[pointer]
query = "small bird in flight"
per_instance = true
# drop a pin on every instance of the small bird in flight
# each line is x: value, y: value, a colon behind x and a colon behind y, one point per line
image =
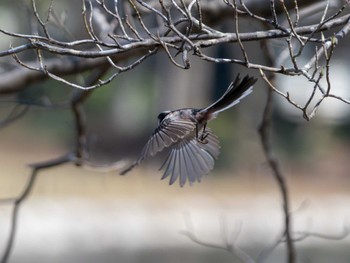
x: 194, y: 147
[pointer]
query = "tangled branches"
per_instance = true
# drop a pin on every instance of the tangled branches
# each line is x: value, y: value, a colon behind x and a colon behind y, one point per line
x: 174, y: 27
x: 122, y: 35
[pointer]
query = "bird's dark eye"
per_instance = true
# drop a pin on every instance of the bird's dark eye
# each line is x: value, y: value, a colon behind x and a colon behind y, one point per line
x: 162, y: 115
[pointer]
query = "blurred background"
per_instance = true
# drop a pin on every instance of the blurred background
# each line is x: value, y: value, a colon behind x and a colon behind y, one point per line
x: 77, y: 214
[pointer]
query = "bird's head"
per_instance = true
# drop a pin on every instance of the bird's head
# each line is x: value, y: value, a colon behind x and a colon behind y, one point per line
x: 162, y: 115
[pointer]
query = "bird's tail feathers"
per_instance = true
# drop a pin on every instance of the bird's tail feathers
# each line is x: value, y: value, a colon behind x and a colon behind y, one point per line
x: 234, y: 93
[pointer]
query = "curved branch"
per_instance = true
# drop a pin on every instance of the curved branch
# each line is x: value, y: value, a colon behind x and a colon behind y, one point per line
x: 19, y: 78
x: 202, y: 41
x: 17, y: 202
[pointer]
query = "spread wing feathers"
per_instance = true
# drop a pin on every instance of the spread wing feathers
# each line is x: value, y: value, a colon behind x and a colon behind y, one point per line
x: 167, y: 133
x: 190, y: 159
x: 233, y: 95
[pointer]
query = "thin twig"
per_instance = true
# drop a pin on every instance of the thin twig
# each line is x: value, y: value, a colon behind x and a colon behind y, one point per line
x: 18, y: 201
x: 227, y: 245
x: 245, y: 55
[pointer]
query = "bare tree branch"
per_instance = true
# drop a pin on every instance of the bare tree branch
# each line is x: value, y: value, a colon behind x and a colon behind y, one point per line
x: 265, y: 137
x: 78, y: 157
x: 17, y: 201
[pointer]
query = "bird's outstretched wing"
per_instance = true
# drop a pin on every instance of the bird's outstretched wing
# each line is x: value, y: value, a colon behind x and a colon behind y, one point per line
x: 189, y: 159
x: 169, y: 132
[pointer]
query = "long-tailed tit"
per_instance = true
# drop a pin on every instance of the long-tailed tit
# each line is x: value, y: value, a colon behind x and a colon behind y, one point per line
x: 194, y: 147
